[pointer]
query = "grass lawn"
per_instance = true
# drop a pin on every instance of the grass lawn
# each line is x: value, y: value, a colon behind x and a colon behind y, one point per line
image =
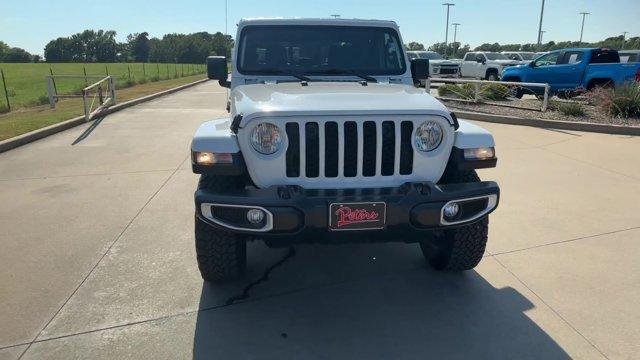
x: 27, y: 86
x: 28, y: 119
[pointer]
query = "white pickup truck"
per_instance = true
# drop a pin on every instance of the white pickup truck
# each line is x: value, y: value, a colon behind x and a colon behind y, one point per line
x: 329, y: 141
x: 438, y: 66
x: 485, y: 65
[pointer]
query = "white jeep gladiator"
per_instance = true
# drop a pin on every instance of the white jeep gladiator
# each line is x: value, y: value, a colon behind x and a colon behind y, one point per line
x: 327, y: 141
x: 485, y: 65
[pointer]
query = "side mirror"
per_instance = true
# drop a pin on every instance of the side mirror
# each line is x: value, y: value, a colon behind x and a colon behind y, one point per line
x: 419, y: 69
x: 217, y: 69
x: 532, y: 64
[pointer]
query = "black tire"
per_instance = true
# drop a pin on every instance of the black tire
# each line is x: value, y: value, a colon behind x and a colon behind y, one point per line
x: 221, y: 255
x: 517, y: 92
x: 461, y: 248
x: 492, y: 75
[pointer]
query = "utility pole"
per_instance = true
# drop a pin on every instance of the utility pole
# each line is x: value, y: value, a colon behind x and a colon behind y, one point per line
x: 335, y: 16
x: 446, y: 34
x: 226, y: 5
x: 455, y: 31
x: 541, y: 35
x: 624, y: 38
x: 584, y: 15
x: 540, y: 25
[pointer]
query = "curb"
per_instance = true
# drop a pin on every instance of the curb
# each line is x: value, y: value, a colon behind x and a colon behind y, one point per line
x: 554, y: 124
x: 34, y: 135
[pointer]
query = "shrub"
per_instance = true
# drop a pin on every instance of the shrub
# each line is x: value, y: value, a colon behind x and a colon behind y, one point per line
x: 568, y: 108
x: 3, y: 108
x: 622, y: 102
x: 142, y: 81
x: 41, y: 100
x: 154, y: 78
x: 464, y: 91
x: 495, y: 92
x: 11, y: 92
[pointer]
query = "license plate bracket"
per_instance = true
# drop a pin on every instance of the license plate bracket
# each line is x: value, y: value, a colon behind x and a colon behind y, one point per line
x: 357, y: 216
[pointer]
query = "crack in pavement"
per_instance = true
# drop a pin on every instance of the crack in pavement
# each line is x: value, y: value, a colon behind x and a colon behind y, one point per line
x: 265, y: 276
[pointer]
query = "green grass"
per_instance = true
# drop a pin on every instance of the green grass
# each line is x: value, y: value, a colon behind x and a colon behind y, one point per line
x: 568, y: 108
x: 27, y: 86
x: 28, y: 119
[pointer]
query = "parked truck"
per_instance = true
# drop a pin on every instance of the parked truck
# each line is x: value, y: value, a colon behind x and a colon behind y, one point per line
x: 573, y: 71
x: 438, y: 66
x: 485, y: 65
x: 329, y: 141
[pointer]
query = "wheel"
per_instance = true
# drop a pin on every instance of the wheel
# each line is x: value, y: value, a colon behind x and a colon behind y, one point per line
x: 516, y: 91
x: 461, y: 248
x: 492, y: 76
x: 221, y: 255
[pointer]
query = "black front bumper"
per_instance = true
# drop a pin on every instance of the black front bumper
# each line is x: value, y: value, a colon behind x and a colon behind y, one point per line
x: 303, y: 214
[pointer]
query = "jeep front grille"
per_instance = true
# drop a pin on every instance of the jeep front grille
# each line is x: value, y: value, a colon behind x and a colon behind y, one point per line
x: 349, y: 149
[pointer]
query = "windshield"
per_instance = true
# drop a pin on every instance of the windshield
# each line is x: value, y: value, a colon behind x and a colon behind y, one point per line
x: 320, y: 50
x: 430, y: 55
x: 496, y: 56
x: 527, y: 56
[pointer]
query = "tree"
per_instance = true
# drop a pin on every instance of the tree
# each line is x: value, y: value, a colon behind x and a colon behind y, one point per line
x: 414, y: 46
x: 13, y: 54
x: 138, y: 46
x: 452, y: 50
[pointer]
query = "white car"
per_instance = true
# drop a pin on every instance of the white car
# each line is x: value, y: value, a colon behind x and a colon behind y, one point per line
x: 629, y: 56
x: 485, y: 65
x: 524, y: 57
x: 329, y: 141
x: 438, y: 66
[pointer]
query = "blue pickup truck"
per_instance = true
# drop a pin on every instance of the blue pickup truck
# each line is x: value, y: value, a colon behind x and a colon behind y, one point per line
x: 572, y: 71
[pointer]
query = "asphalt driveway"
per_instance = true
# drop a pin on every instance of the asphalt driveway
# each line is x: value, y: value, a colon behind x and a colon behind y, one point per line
x: 97, y: 257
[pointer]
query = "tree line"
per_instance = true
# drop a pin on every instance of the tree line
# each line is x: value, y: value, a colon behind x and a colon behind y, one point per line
x: 101, y: 46
x: 455, y: 50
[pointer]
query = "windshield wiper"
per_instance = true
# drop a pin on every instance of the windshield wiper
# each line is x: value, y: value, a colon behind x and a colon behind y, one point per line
x: 350, y: 72
x: 296, y: 75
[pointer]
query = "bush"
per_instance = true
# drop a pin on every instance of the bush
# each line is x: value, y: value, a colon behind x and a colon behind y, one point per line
x: 3, y: 108
x: 464, y: 91
x: 495, y: 92
x: 11, y: 92
x: 622, y: 102
x: 142, y: 81
x: 154, y: 78
x: 41, y: 100
x: 568, y: 108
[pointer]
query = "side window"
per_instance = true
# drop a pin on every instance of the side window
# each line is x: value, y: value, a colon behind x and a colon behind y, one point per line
x: 546, y: 60
x: 470, y: 57
x: 572, y: 57
x: 482, y: 56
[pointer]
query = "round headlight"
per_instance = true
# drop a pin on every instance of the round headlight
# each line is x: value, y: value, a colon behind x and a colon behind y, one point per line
x: 428, y: 136
x: 266, y: 138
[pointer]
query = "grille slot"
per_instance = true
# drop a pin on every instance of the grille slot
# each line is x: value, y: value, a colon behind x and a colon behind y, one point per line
x: 349, y: 149
x: 312, y: 150
x: 293, y: 151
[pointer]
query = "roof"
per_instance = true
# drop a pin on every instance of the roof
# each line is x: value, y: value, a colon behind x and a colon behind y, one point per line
x: 318, y: 21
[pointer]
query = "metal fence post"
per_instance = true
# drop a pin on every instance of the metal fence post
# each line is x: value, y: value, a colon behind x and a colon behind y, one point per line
x: 476, y: 95
x: 53, y: 80
x: 545, y: 100
x: 129, y: 70
x: 86, y: 105
x: 144, y: 71
x: 51, y: 91
x: 112, y: 89
x: 6, y: 93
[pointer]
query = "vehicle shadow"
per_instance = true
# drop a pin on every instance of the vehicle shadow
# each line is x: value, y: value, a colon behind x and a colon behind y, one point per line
x: 376, y: 301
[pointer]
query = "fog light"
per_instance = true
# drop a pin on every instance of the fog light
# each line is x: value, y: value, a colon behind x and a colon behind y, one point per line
x: 451, y: 210
x: 483, y: 153
x: 255, y: 216
x: 209, y: 158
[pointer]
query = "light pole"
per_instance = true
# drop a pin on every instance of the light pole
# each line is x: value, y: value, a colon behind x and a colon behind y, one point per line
x: 541, y: 35
x: 624, y: 38
x: 584, y: 15
x: 455, y: 31
x: 540, y: 25
x: 225, y: 16
x: 446, y: 34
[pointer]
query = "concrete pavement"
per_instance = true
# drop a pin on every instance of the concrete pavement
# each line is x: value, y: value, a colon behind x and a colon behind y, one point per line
x: 97, y: 257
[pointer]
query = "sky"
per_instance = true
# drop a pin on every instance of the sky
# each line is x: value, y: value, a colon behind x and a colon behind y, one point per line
x: 30, y: 24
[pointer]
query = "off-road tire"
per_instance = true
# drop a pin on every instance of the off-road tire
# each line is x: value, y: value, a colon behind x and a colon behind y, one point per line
x: 461, y: 248
x: 492, y: 75
x: 221, y: 255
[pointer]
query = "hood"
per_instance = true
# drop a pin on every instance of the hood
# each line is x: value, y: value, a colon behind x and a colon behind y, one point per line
x: 332, y: 98
x: 443, y: 62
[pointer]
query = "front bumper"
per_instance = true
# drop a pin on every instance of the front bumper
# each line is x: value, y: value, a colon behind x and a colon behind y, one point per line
x: 303, y: 214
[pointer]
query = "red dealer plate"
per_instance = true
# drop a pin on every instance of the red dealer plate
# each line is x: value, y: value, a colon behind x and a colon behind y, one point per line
x: 357, y: 216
